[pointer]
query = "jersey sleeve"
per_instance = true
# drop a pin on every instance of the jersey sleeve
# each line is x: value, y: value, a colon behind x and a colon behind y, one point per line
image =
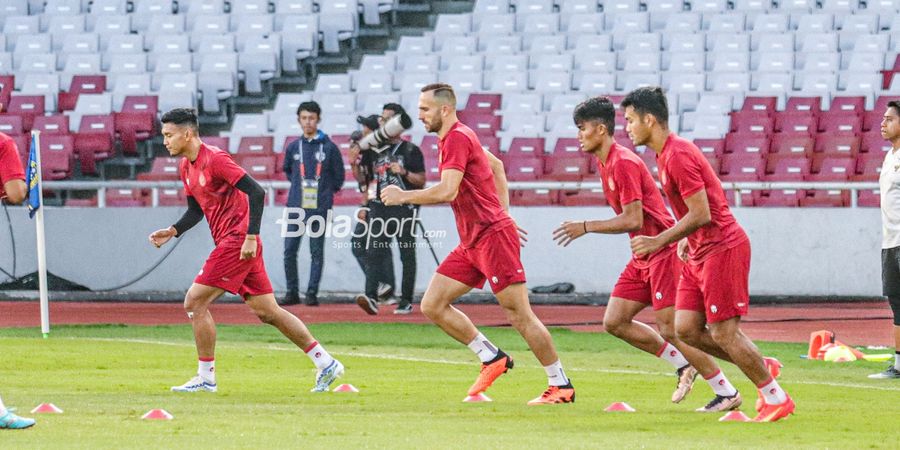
x: 11, y: 167
x: 627, y: 177
x: 224, y: 168
x: 455, y: 152
x: 685, y: 172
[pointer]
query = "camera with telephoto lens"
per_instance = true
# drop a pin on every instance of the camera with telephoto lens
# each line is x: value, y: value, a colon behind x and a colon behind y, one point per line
x: 380, y: 138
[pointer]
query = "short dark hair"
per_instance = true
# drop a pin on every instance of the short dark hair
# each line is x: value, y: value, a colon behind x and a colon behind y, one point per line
x: 598, y: 109
x: 312, y: 107
x: 182, y: 117
x: 395, y: 107
x: 894, y: 104
x: 649, y: 100
x: 442, y: 91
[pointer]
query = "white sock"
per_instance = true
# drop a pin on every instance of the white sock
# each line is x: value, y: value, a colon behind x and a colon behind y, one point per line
x: 3, y: 410
x: 720, y: 385
x: 318, y: 355
x: 897, y: 360
x: 556, y: 376
x: 207, y: 370
x: 773, y: 393
x: 483, y: 348
x: 671, y: 354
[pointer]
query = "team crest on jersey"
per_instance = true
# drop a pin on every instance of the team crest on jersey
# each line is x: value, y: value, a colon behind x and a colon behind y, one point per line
x: 612, y: 185
x: 202, y: 180
x: 662, y: 176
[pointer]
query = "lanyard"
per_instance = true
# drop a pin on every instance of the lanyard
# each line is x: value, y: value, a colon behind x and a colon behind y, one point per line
x: 320, y: 156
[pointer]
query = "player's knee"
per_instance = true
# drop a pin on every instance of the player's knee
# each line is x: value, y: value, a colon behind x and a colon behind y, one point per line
x: 895, y: 307
x: 687, y: 333
x: 266, y: 316
x: 668, y: 332
x: 192, y: 304
x: 724, y: 337
x: 614, y: 325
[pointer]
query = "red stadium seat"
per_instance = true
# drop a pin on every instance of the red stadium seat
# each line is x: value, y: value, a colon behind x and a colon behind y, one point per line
x: 760, y: 104
x: 868, y: 166
x: 137, y: 121
x: 57, y: 155
x: 800, y: 104
x: 260, y: 167
x: 491, y: 144
x: 870, y: 198
x: 840, y: 123
x: 533, y: 197
x: 163, y: 168
x: 649, y: 158
x: 256, y: 145
x: 792, y: 144
x: 837, y: 145
x: 172, y: 197
x: 714, y: 162
x: 483, y: 103
x: 23, y: 143
x: 882, y: 102
x: 7, y: 83
x: 742, y: 167
x: 874, y: 143
x: 482, y: 123
x: 219, y: 142
x: 825, y: 199
x: 344, y: 197
x: 429, y: 144
x: 523, y: 168
x: 11, y: 125
x: 95, y: 141
x: 747, y: 198
x: 119, y: 198
x: 787, y: 168
x: 27, y: 106
x: 81, y: 202
x: 81, y: 84
x: 848, y: 105
x: 794, y: 122
x: 584, y: 197
x: 752, y: 122
x: 872, y: 120
x: 566, y: 167
x: 779, y: 198
x: 714, y: 147
x: 832, y: 168
x: 342, y: 141
x: 526, y: 147
x: 753, y: 144
x: 55, y: 124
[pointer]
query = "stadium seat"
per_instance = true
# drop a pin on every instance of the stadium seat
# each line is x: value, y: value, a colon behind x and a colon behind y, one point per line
x: 260, y: 167
x: 125, y: 198
x: 11, y: 125
x: 832, y: 168
x: 868, y: 167
x: 870, y: 198
x: 27, y: 106
x: 81, y: 84
x: 747, y: 199
x: 171, y: 197
x: 566, y: 167
x: 163, y: 168
x: 741, y: 167
x: 825, y: 199
x: 584, y: 197
x: 255, y: 145
x: 795, y: 122
x: 787, y: 167
x: 755, y: 144
x: 56, y: 156
x: 94, y: 141
x: 779, y: 198
x: 752, y: 122
x: 533, y: 197
x: 713, y: 147
x: 52, y: 124
x: 840, y: 123
x: 832, y: 145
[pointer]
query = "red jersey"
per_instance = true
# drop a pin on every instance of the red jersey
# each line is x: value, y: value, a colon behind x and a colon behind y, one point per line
x: 210, y: 179
x: 11, y: 167
x: 627, y: 179
x: 477, y: 207
x: 684, y: 171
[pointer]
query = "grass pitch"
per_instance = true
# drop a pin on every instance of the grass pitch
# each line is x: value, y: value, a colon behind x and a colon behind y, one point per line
x: 412, y: 379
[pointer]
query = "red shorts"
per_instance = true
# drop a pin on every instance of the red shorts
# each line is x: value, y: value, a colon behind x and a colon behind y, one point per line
x: 655, y: 285
x: 225, y: 270
x: 495, y: 258
x: 718, y: 286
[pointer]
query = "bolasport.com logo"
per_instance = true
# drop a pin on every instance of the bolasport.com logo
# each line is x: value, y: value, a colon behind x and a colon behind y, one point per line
x: 341, y: 227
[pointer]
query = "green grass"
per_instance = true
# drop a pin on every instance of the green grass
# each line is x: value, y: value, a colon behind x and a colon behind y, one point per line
x: 412, y: 379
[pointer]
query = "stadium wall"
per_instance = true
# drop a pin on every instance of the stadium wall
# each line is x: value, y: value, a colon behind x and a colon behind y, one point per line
x: 821, y: 252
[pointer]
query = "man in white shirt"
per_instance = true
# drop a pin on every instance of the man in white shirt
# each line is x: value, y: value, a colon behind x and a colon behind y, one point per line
x: 889, y: 184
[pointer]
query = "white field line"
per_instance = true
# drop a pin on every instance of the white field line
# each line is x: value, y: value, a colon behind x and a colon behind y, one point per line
x: 283, y: 348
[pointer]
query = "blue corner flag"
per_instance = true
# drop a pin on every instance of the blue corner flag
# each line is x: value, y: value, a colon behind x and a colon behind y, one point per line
x: 33, y: 180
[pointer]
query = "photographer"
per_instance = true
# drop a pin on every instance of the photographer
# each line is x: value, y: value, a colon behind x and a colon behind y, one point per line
x: 398, y: 163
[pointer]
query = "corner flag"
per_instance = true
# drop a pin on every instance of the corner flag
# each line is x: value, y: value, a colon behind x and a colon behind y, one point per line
x: 33, y: 179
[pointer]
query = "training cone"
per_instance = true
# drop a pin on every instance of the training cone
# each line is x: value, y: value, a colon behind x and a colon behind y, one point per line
x: 477, y: 398
x: 619, y: 407
x: 46, y: 408
x: 734, y: 416
x: 157, y: 414
x: 346, y: 388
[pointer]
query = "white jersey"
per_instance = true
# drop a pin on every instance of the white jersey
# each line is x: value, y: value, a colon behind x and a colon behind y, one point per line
x: 889, y: 185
